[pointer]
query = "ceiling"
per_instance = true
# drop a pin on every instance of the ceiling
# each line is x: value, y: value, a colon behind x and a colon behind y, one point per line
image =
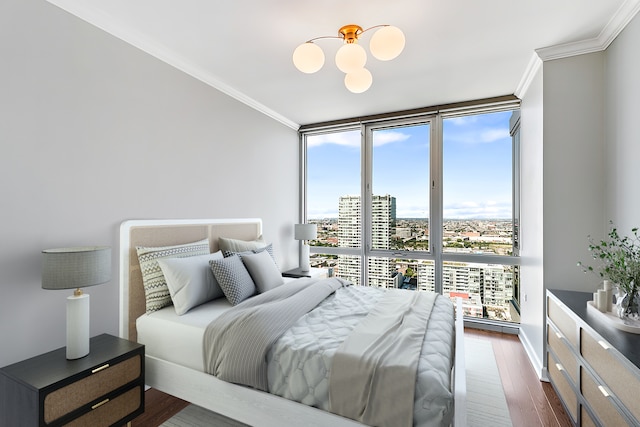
x: 456, y: 50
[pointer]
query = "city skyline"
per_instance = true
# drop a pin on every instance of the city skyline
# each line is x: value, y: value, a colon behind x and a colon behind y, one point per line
x: 477, y: 167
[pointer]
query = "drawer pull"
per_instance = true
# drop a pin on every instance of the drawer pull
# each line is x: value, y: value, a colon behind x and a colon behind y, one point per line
x: 604, y: 391
x: 99, y: 404
x: 101, y: 368
x: 559, y: 366
x: 559, y: 335
x: 604, y: 345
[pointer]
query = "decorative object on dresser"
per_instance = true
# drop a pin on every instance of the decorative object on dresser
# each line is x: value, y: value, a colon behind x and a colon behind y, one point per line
x: 305, y: 232
x: 79, y: 267
x: 595, y: 369
x: 105, y: 388
x: 618, y: 260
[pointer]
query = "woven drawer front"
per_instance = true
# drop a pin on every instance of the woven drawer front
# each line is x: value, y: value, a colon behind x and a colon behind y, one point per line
x: 66, y: 399
x: 563, y: 387
x: 111, y: 411
x: 599, y: 403
x: 563, y: 321
x: 565, y: 357
x: 587, y: 421
x: 623, y: 382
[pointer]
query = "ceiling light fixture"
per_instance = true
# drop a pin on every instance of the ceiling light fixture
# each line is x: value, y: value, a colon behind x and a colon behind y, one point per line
x: 386, y: 44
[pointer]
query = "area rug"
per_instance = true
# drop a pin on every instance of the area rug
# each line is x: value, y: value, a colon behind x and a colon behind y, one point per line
x: 486, y: 402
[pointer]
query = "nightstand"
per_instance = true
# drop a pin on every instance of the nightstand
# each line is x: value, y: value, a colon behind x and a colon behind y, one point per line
x: 313, y: 272
x: 104, y: 388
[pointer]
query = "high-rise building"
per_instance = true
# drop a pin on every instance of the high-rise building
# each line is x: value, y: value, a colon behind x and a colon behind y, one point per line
x: 383, y: 220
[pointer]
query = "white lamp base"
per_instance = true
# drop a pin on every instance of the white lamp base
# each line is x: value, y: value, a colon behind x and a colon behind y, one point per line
x: 77, y: 326
x: 304, y: 258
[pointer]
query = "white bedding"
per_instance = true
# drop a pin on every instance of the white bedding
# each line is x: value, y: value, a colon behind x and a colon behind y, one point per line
x: 178, y: 339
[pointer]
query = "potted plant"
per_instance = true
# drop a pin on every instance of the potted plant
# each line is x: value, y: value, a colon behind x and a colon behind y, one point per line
x: 618, y: 260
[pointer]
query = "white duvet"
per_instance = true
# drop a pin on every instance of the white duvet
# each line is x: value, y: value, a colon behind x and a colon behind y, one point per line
x: 298, y: 363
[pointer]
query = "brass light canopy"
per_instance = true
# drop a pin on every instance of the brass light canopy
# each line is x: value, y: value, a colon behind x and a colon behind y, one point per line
x: 386, y: 44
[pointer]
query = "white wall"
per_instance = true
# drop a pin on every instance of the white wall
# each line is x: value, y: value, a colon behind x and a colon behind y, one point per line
x: 532, y: 221
x: 573, y: 167
x: 622, y: 138
x: 94, y: 132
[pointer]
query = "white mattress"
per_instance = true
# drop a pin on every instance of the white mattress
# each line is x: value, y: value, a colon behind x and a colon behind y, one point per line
x: 178, y: 339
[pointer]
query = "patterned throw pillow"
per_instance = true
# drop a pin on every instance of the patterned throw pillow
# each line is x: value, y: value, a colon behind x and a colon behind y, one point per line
x: 268, y: 248
x: 156, y: 291
x: 233, y: 278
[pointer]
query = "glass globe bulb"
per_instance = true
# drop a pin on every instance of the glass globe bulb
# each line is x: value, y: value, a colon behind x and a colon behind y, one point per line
x: 308, y: 57
x: 358, y: 81
x: 351, y: 57
x: 387, y: 43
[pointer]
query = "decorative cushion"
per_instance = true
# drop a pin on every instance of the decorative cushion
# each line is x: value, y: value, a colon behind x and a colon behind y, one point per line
x: 235, y: 245
x: 190, y: 280
x: 263, y: 270
x: 156, y: 291
x: 234, y: 279
x: 268, y: 248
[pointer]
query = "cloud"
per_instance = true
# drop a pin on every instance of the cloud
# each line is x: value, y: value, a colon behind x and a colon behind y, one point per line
x: 388, y: 137
x: 347, y: 139
x: 352, y: 138
x: 478, y: 210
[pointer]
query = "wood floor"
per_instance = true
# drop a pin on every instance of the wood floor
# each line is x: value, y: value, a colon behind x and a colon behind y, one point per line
x: 532, y: 403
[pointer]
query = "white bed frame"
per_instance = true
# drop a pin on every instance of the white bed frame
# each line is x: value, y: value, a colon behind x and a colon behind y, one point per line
x: 240, y: 403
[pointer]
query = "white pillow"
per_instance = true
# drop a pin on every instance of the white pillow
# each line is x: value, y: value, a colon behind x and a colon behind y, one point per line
x: 263, y: 271
x: 235, y: 245
x: 191, y: 281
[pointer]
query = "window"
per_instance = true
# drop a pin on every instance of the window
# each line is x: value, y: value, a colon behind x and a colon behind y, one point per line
x: 426, y: 203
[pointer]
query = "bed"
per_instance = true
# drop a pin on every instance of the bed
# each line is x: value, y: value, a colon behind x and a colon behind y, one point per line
x: 175, y: 366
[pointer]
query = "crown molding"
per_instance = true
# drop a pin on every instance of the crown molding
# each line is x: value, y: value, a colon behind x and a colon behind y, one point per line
x: 616, y: 24
x: 529, y: 74
x: 110, y: 25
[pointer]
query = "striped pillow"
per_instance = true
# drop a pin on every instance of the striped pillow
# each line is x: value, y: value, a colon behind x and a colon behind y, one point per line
x: 156, y: 291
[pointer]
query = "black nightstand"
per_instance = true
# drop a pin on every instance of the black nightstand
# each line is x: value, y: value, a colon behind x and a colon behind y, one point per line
x: 313, y: 272
x: 104, y: 388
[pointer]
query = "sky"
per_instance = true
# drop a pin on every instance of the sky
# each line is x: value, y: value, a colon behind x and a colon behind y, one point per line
x: 477, y: 168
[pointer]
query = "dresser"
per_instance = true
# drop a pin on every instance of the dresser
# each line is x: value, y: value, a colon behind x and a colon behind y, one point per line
x: 104, y: 388
x: 593, y: 367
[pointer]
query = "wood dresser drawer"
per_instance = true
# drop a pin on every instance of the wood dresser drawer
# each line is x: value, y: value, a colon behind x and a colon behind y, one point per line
x: 111, y: 411
x: 585, y: 418
x: 563, y: 387
x: 563, y: 321
x: 602, y: 405
x: 104, y: 388
x: 102, y: 380
x: 563, y: 353
x: 620, y: 379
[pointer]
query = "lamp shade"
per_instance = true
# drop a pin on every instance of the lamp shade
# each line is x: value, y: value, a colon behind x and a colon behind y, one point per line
x: 387, y: 43
x: 79, y: 267
x: 305, y: 231
x: 351, y: 57
x: 358, y: 81
x: 308, y: 58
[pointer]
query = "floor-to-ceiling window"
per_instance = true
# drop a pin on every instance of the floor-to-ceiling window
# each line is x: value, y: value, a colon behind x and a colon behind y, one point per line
x: 427, y: 203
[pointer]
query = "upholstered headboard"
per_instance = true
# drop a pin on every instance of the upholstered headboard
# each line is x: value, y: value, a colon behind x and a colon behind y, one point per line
x: 162, y: 233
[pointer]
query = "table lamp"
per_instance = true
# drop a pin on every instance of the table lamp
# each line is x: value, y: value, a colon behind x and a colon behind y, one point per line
x: 305, y: 232
x: 76, y: 268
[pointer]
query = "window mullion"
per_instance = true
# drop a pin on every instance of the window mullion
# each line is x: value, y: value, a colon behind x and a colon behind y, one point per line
x: 435, y: 214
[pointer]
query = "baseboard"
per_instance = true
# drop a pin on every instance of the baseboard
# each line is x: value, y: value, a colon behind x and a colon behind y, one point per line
x: 539, y: 368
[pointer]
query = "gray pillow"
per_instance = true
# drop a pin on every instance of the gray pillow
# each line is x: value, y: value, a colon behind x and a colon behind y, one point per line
x: 236, y: 245
x: 234, y: 279
x: 263, y: 271
x: 156, y: 291
x: 268, y: 248
x: 190, y: 280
